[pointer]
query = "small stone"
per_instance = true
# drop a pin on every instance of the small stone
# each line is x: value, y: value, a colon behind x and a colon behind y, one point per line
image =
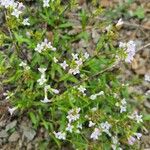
x: 14, y: 137
x: 11, y: 125
x: 2, y: 123
x: 29, y: 133
x: 3, y: 134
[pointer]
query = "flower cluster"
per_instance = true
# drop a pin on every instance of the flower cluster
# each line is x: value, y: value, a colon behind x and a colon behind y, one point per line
x: 136, y: 117
x: 129, y: 48
x: 42, y: 80
x: 75, y: 64
x: 44, y: 45
x: 133, y: 139
x: 104, y: 127
x: 73, y: 114
x: 122, y: 105
x: 26, y: 22
x: 46, y: 3
x: 16, y: 6
x: 24, y: 65
x: 60, y: 135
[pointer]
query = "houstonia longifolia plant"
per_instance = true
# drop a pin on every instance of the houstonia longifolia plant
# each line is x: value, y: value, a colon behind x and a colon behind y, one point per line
x: 73, y: 92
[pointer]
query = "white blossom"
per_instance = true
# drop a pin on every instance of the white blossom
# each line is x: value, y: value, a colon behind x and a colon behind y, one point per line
x: 11, y: 110
x: 147, y: 77
x: 136, y: 117
x: 131, y: 140
x: 79, y: 62
x: 91, y: 124
x: 108, y: 28
x: 45, y: 100
x: 39, y: 48
x: 129, y: 48
x: 16, y: 13
x: 42, y: 70
x: 55, y: 91
x: 26, y: 22
x: 42, y: 80
x: 75, y: 56
x: 119, y: 23
x: 105, y: 126
x: 138, y: 135
x: 95, y: 134
x: 69, y: 127
x: 86, y: 55
x: 60, y: 135
x: 64, y: 65
x: 46, y: 3
x: 55, y: 60
x: 122, y: 109
x: 82, y: 89
x: 93, y: 96
x: 8, y: 94
x: 44, y: 45
x: 73, y: 114
x: 24, y: 65
x: 74, y: 71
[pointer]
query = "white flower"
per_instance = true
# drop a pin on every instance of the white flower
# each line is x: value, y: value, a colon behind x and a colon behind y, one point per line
x: 79, y: 62
x: 46, y: 3
x: 8, y: 94
x: 42, y: 70
x: 131, y: 140
x: 123, y: 101
x: 147, y: 93
x: 93, y: 97
x: 11, y: 110
x: 16, y: 13
x: 147, y: 77
x: 82, y: 89
x: 60, y: 135
x: 94, y: 109
x: 136, y: 117
x: 122, y: 109
x: 91, y: 124
x: 96, y: 133
x: 108, y: 28
x: 46, y: 100
x: 74, y: 71
x: 79, y: 126
x: 39, y: 48
x: 26, y: 22
x: 73, y: 114
x: 138, y: 135
x: 55, y: 60
x: 7, y: 3
x: 75, y: 56
x: 119, y: 23
x: 55, y: 91
x: 42, y: 80
x: 24, y: 65
x: 105, y: 127
x: 64, y: 65
x: 129, y: 48
x: 69, y: 128
x: 100, y: 93
x: 86, y: 55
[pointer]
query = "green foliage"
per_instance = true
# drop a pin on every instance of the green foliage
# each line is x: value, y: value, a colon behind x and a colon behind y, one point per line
x: 69, y: 82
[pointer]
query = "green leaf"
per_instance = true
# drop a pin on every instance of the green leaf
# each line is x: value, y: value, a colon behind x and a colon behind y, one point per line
x: 68, y: 77
x: 66, y: 25
x: 139, y: 13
